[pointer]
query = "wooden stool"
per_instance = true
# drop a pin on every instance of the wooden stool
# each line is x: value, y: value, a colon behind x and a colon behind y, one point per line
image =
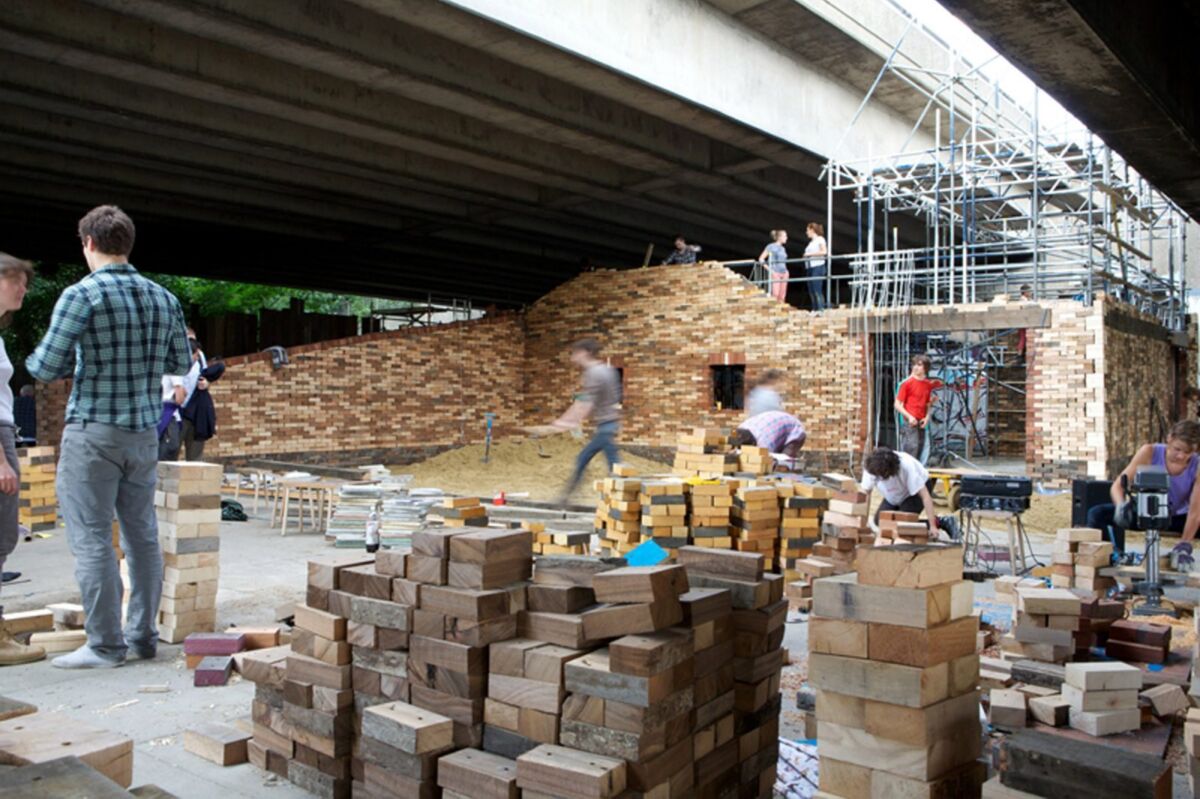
x: 1018, y: 557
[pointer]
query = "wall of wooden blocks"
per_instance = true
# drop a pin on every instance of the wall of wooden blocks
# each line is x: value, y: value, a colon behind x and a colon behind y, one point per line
x: 188, y: 505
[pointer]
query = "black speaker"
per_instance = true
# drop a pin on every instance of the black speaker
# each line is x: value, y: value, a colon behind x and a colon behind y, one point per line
x: 1085, y: 495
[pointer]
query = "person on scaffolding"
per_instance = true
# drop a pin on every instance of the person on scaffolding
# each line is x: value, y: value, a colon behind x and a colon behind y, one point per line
x: 600, y: 401
x: 1179, y: 457
x: 903, y: 482
x: 775, y: 256
x: 683, y: 253
x: 914, y: 398
x: 815, y: 264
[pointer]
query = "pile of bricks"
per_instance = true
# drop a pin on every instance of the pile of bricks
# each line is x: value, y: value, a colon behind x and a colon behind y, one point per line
x: 398, y: 684
x: 892, y: 658
x: 756, y: 521
x: 38, y: 507
x: 1079, y: 554
x: 705, y: 453
x: 842, y: 533
x: 618, y: 514
x: 557, y: 542
x: 804, y: 505
x: 664, y: 513
x: 188, y: 504
x: 710, y: 509
x: 755, y: 460
x: 1048, y: 627
x: 463, y: 511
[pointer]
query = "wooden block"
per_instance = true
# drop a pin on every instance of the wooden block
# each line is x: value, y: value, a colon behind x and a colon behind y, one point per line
x: 1107, y: 676
x: 1148, y: 633
x: 381, y: 613
x: 724, y: 563
x: 298, y: 693
x: 43, y: 737
x: 466, y: 603
x: 649, y: 654
x: 492, y: 546
x: 410, y: 729
x: 572, y: 570
x: 547, y: 663
x: 922, y: 647
x: 743, y: 593
x: 59, y: 640
x: 524, y: 693
x: 29, y: 621
x: 559, y: 598
x: 1052, y: 710
x: 217, y: 743
x: 841, y: 597
x: 63, y: 777
x: 12, y: 708
x: 838, y: 637
x: 257, y: 637
x: 1099, y: 700
x: 427, y: 569
x: 68, y: 615
x: 640, y: 584
x: 1052, y: 601
x: 478, y: 774
x: 1079, y: 534
x: 213, y: 670
x: 214, y: 643
x: 311, y: 670
x: 913, y: 761
x: 327, y: 625
x: 336, y: 653
x: 612, y: 621
x: 1007, y: 709
x: 888, y: 682
x: 564, y: 629
x: 1142, y: 653
x: 508, y: 657
x: 488, y: 575
x: 1105, y: 722
x: 569, y: 774
x: 256, y: 666
x: 592, y: 675
x: 908, y: 565
x: 1166, y: 699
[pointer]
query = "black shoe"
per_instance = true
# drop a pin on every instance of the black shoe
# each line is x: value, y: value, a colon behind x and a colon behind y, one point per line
x: 8, y: 577
x: 950, y: 525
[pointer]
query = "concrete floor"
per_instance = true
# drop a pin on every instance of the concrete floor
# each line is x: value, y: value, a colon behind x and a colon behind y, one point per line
x: 259, y: 571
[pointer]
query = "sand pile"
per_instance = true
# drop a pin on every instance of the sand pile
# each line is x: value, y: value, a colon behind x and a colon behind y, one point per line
x: 514, y: 466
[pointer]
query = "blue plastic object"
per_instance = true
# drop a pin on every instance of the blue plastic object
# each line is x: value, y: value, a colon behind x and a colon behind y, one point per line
x: 646, y: 554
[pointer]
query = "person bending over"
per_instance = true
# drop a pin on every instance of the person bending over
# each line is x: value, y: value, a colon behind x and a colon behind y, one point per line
x: 1179, y: 457
x: 901, y: 479
x: 778, y: 432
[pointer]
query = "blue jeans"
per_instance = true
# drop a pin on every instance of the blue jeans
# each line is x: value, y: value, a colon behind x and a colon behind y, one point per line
x: 816, y: 288
x: 603, y: 440
x: 1100, y: 517
x: 102, y: 471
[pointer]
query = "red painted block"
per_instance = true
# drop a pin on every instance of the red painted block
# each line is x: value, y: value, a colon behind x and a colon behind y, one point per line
x: 214, y: 643
x: 213, y: 670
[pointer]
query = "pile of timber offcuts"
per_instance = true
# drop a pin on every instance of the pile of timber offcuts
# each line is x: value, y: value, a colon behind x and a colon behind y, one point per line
x: 465, y: 668
x: 1080, y: 702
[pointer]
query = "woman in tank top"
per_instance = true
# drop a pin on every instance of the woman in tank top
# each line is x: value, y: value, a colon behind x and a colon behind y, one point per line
x: 1179, y: 457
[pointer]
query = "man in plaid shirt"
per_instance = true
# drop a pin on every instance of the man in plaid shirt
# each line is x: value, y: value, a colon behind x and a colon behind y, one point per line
x: 117, y: 334
x: 778, y: 432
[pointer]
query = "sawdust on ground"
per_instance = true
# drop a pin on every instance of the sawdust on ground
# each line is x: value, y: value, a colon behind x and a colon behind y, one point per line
x: 515, y: 466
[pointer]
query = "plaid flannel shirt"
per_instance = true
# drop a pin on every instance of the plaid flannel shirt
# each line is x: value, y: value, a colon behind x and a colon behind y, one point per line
x: 774, y: 430
x: 117, y: 333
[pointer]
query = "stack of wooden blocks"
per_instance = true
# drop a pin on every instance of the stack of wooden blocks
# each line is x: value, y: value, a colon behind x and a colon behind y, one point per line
x: 1103, y: 697
x: 755, y: 520
x: 800, y: 525
x: 38, y: 507
x: 710, y: 507
x: 705, y: 453
x: 1049, y: 626
x: 1007, y: 586
x: 1079, y: 554
x: 904, y: 527
x: 467, y: 511
x: 524, y: 705
x: 800, y: 591
x: 556, y: 542
x: 1142, y: 642
x: 755, y: 460
x: 759, y: 614
x: 892, y: 658
x: 188, y: 504
x: 664, y: 513
x: 842, y: 533
x: 618, y: 514
x: 400, y: 748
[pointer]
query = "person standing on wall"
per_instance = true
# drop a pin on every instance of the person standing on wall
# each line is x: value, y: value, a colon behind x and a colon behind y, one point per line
x: 683, y: 253
x: 600, y: 402
x: 816, y: 263
x: 764, y: 394
x: 119, y: 333
x: 913, y: 401
x: 14, y: 281
x: 774, y: 255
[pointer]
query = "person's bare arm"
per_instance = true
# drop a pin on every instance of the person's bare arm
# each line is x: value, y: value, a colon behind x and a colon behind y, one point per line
x: 930, y: 513
x: 792, y: 448
x: 1142, y: 457
x: 908, y: 417
x: 762, y: 256
x: 180, y: 395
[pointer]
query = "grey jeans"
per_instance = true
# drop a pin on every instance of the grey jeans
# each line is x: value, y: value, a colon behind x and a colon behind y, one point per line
x: 10, y: 531
x: 101, y: 470
x: 912, y: 440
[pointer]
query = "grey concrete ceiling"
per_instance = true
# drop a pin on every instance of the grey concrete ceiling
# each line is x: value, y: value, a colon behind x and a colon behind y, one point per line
x: 392, y: 147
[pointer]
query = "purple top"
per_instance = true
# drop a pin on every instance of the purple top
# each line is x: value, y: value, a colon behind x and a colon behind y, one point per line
x: 1180, y: 494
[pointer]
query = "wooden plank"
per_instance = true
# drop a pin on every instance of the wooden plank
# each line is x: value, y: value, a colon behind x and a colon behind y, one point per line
x: 478, y: 774
x: 410, y: 729
x: 29, y: 621
x: 322, y: 623
x: 592, y: 675
x: 914, y: 761
x: 923, y: 647
x: 612, y: 621
x: 640, y: 584
x: 953, y: 320
x: 886, y: 682
x: 43, y: 737
x: 492, y: 546
x: 721, y: 562
x: 1051, y: 765
x: 1007, y: 709
x: 908, y: 565
x: 217, y: 743
x: 1105, y: 676
x: 569, y: 774
x: 841, y: 597
x: 649, y: 654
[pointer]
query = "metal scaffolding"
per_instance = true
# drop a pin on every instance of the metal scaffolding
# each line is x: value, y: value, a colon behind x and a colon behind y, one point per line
x: 1004, y: 203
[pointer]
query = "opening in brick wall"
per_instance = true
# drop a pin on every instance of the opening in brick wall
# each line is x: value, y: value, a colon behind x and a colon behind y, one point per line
x: 728, y: 386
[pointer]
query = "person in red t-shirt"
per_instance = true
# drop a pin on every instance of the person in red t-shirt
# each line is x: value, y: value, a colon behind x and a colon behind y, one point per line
x: 913, y: 401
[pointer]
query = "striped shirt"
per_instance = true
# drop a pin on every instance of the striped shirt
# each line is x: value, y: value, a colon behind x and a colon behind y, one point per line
x: 117, y: 334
